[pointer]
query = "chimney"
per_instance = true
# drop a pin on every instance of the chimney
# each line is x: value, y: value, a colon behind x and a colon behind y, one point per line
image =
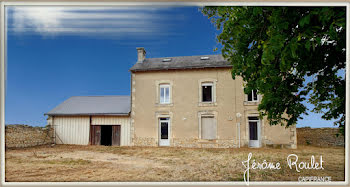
x: 141, y: 54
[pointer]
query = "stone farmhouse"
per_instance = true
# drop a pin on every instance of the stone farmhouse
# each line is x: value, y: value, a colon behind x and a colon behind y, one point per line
x: 188, y: 101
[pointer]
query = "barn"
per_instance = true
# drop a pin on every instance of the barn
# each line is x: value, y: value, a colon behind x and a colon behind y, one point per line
x: 92, y: 120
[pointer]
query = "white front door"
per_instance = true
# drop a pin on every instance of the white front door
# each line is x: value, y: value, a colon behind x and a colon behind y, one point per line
x: 254, y: 132
x: 164, y: 132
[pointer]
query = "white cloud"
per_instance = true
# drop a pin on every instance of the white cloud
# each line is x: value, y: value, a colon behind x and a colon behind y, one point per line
x: 113, y: 22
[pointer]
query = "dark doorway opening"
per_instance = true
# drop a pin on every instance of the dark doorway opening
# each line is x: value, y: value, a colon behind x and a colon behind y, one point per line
x: 253, y: 130
x: 106, y: 135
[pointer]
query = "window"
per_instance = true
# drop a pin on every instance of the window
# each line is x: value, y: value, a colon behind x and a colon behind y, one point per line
x: 163, y: 90
x: 207, y: 92
x: 208, y: 128
x: 164, y: 94
x: 253, y: 96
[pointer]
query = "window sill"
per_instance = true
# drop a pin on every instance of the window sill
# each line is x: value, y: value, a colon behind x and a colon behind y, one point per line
x: 207, y: 104
x: 253, y: 103
x: 164, y: 105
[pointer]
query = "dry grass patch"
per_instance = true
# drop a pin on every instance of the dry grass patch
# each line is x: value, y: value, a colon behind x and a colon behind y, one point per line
x: 101, y: 163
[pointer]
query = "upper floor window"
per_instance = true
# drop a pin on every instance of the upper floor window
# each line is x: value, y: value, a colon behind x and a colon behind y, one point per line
x: 207, y: 92
x: 253, y: 96
x: 164, y: 94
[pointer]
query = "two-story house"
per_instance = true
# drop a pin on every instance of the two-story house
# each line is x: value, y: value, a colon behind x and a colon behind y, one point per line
x: 189, y: 101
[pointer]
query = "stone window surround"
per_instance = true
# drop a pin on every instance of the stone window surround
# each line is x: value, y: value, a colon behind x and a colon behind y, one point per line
x: 246, y: 102
x: 158, y: 83
x: 203, y: 114
x: 164, y: 114
x: 202, y: 81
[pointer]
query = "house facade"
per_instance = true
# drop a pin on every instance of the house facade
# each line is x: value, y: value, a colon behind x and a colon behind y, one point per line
x: 189, y: 101
x: 194, y: 102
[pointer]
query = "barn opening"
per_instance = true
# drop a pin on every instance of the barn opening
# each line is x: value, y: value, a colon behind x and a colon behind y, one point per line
x: 106, y: 135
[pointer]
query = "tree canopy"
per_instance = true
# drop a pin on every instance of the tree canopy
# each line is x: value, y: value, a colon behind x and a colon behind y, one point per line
x: 288, y: 54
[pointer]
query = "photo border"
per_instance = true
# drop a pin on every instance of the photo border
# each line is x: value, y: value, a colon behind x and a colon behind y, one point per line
x: 3, y: 4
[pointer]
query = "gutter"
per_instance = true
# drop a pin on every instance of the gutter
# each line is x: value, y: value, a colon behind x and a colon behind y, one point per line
x: 180, y: 68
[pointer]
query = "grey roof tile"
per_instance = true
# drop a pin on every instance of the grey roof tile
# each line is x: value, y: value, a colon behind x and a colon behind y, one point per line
x: 183, y: 62
x: 93, y: 105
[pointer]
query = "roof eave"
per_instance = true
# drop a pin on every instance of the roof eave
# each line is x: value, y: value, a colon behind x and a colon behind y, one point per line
x: 182, y: 68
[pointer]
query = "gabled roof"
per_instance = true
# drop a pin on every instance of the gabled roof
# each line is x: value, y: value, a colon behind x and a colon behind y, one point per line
x: 93, y: 105
x: 183, y: 62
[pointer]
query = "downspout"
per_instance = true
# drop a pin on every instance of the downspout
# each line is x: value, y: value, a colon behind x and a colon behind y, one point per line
x: 238, y: 117
x: 239, y: 135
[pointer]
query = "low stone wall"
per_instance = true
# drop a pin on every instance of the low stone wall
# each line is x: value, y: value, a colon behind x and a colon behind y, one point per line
x: 18, y: 136
x: 323, y: 137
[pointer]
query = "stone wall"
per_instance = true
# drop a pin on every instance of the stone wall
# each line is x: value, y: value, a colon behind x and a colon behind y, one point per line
x: 17, y: 136
x: 198, y: 143
x: 323, y: 137
x: 139, y: 141
x: 187, y: 142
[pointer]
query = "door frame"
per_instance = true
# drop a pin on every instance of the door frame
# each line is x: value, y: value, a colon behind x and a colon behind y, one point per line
x: 253, y: 144
x: 166, y: 143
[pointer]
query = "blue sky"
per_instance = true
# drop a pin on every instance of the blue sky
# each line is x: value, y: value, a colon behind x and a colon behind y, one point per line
x: 54, y: 53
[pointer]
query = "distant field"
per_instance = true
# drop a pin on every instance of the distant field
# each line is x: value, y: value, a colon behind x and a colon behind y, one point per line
x: 100, y: 163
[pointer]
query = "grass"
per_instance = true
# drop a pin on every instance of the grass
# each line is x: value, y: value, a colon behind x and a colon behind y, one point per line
x: 101, y: 163
x: 68, y: 162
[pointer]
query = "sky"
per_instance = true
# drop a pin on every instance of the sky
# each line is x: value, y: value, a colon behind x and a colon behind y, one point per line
x: 54, y: 53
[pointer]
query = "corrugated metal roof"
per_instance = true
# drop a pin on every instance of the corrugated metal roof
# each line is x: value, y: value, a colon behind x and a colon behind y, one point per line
x: 93, y: 105
x: 184, y: 62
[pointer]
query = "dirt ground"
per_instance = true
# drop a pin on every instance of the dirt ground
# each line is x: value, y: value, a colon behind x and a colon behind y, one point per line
x: 102, y: 163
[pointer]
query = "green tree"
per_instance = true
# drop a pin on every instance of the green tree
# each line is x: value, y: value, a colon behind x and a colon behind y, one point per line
x: 275, y: 49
